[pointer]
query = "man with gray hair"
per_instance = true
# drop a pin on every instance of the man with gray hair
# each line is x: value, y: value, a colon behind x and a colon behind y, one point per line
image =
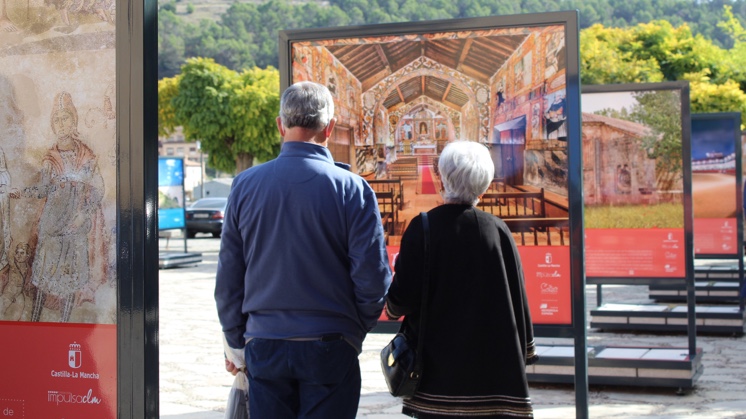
x: 303, y: 269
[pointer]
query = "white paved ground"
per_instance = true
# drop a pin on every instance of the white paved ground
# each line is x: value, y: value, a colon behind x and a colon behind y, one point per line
x: 194, y: 385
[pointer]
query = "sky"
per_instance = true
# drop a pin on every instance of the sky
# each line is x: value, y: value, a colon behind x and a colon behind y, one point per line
x: 713, y: 135
x: 592, y: 102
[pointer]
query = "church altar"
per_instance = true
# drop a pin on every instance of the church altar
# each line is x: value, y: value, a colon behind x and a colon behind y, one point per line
x: 419, y: 148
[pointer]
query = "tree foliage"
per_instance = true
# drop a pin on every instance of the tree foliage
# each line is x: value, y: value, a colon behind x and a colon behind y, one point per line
x: 232, y: 110
x: 657, y: 51
x: 246, y: 34
x: 231, y: 113
x: 661, y: 111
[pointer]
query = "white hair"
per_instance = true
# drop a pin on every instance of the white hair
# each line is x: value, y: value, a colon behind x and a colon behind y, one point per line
x: 466, y: 170
x: 307, y: 105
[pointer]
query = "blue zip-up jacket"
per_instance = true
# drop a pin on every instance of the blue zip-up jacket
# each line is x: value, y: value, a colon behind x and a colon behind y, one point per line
x: 302, y: 253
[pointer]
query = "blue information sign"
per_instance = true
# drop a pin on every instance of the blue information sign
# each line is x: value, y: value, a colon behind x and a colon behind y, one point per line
x: 170, y: 193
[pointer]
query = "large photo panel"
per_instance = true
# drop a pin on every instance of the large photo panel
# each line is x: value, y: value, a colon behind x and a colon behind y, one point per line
x: 716, y: 184
x: 403, y: 91
x: 58, y: 209
x: 636, y: 165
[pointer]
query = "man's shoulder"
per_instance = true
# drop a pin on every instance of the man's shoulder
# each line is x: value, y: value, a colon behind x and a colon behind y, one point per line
x: 253, y: 172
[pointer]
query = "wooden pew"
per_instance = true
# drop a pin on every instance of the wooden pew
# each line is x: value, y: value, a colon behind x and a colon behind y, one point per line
x: 541, y: 229
x: 387, y: 208
x: 403, y: 168
x: 514, y: 204
x: 497, y: 185
x: 394, y: 185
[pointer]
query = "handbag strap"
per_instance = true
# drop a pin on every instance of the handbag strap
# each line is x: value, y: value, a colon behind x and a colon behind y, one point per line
x: 417, y: 372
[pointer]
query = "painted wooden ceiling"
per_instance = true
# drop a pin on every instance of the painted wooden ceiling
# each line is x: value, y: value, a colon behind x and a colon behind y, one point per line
x: 478, y: 58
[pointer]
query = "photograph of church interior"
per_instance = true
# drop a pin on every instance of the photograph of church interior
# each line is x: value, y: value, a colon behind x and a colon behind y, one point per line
x: 399, y: 99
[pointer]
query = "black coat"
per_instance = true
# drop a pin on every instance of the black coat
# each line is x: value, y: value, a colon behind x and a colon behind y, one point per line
x: 479, y: 336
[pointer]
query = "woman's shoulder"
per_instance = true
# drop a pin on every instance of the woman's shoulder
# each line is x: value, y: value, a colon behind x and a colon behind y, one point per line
x: 485, y: 218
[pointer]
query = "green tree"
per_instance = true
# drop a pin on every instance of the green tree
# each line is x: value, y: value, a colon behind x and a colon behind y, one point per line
x: 657, y: 51
x: 661, y: 111
x: 168, y: 7
x: 606, y: 59
x: 232, y: 114
x: 171, y: 47
x: 708, y: 97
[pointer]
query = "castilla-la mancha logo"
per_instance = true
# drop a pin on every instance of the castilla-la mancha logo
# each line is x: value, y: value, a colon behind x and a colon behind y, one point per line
x: 74, y: 357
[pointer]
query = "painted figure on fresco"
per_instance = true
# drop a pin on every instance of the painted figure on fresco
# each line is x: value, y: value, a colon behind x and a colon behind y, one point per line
x: 6, y: 25
x: 70, y: 259
x: 407, y: 129
x: 381, y: 162
x: 17, y: 293
x: 423, y: 128
x: 555, y: 119
x: 522, y: 72
x: 536, y: 121
x: 442, y: 131
x: 555, y: 58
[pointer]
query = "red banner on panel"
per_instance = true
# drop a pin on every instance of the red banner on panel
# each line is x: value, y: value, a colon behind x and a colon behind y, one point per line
x: 635, y: 253
x: 548, y: 289
x: 548, y: 284
x: 58, y: 370
x: 715, y: 236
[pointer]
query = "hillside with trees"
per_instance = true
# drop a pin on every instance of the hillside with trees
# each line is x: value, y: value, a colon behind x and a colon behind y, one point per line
x: 217, y: 72
x: 245, y: 35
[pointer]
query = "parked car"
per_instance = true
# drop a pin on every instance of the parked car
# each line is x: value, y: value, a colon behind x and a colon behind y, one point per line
x: 205, y: 216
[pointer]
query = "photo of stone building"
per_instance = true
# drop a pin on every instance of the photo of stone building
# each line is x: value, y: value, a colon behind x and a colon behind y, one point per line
x: 632, y: 159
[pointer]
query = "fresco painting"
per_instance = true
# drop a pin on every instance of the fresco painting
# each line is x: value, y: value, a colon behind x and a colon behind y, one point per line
x: 57, y: 162
x: 58, y: 208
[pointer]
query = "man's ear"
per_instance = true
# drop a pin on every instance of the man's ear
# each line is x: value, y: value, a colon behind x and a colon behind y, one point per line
x: 280, y: 127
x: 329, y: 128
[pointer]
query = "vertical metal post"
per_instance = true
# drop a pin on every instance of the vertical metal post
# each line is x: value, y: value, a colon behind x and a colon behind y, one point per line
x: 739, y: 210
x: 183, y: 201
x: 137, y: 203
x: 686, y: 149
x: 201, y: 171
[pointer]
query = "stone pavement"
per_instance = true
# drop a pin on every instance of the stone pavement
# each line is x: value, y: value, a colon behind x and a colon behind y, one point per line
x: 194, y: 384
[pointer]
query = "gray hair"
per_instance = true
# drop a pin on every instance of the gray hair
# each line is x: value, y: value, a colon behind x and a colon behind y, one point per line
x: 307, y: 105
x: 466, y: 169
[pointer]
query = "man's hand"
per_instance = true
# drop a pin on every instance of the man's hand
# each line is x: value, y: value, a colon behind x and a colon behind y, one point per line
x: 231, y: 367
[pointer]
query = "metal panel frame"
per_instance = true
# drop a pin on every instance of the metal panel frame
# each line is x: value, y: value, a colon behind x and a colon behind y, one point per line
x: 577, y: 329
x: 137, y: 203
x: 736, y: 119
x: 683, y: 87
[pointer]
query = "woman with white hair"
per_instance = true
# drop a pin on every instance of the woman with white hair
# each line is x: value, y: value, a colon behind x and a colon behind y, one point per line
x: 479, y: 336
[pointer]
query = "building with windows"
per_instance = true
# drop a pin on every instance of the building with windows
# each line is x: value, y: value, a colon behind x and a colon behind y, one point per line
x: 194, y: 161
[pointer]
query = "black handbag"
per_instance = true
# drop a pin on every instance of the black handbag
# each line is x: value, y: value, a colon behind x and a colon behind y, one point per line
x: 401, y: 363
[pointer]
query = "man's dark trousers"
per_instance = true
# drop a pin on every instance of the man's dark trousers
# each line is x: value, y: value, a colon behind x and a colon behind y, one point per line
x: 304, y: 379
